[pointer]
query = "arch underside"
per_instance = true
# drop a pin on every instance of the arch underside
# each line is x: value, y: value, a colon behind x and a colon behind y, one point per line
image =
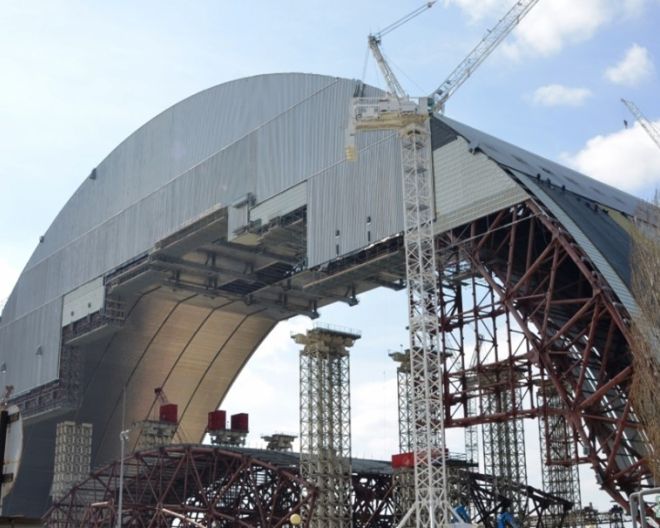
x: 525, y: 314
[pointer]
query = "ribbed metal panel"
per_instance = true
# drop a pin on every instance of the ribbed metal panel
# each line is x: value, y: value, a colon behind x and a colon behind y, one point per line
x: 82, y: 301
x: 29, y: 352
x: 469, y: 186
x: 531, y: 164
x: 280, y: 204
x: 259, y: 135
x: 354, y: 204
x: 612, y: 278
x: 237, y: 218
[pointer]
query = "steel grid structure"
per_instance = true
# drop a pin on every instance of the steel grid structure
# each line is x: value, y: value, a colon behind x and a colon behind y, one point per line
x: 325, y: 422
x: 404, y: 400
x: 558, y: 449
x: 375, y: 505
x: 73, y: 455
x: 574, y: 333
x: 196, y: 483
x: 425, y: 349
x: 403, y: 479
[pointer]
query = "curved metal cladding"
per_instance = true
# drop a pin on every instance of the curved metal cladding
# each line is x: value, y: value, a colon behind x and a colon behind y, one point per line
x: 222, y: 215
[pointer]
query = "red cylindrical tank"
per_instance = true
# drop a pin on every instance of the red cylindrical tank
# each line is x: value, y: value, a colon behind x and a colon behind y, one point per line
x: 217, y: 421
x: 169, y: 412
x: 239, y: 422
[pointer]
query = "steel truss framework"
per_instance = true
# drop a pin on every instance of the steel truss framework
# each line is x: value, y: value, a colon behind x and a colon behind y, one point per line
x: 564, y: 326
x: 375, y: 505
x: 558, y: 449
x: 201, y: 484
x: 325, y: 423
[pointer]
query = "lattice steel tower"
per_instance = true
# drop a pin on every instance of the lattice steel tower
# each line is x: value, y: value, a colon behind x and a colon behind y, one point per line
x: 558, y: 449
x: 325, y: 422
x: 404, y: 400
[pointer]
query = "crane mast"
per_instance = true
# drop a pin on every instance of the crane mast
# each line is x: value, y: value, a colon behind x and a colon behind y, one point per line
x: 411, y: 118
x: 651, y: 130
x: 491, y: 40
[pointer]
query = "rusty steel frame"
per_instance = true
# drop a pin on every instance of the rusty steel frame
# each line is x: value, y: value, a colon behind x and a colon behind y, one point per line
x: 573, y: 332
x: 200, y: 483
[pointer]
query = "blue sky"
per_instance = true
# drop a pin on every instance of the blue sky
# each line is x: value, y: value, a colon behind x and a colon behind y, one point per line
x: 77, y: 77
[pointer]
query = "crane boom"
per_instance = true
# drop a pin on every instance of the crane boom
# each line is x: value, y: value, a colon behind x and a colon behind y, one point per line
x: 392, y: 82
x: 651, y: 130
x: 374, y: 45
x: 485, y: 47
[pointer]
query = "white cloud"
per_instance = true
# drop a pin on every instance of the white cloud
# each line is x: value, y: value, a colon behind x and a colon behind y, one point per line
x: 634, y: 68
x: 559, y: 95
x: 627, y: 159
x: 551, y: 26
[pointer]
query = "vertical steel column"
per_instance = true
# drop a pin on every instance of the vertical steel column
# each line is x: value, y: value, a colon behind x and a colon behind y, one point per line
x: 325, y: 427
x: 558, y: 450
x: 423, y: 311
x: 403, y: 478
x: 503, y: 440
x: 404, y: 400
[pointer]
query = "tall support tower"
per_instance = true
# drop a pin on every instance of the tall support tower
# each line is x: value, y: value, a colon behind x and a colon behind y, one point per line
x: 73, y: 456
x: 404, y: 400
x: 423, y: 308
x: 325, y: 422
x: 504, y: 439
x: 403, y: 473
x: 504, y: 448
x: 560, y: 473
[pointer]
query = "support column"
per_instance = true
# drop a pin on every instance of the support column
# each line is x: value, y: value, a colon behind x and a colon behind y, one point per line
x: 325, y: 425
x: 560, y: 473
x: 73, y: 456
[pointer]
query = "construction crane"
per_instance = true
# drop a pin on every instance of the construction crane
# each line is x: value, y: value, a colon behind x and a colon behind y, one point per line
x: 491, y: 40
x: 374, y: 41
x: 650, y: 128
x: 411, y: 118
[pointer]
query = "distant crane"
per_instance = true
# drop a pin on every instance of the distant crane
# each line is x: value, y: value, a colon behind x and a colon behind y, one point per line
x: 412, y: 120
x: 650, y: 128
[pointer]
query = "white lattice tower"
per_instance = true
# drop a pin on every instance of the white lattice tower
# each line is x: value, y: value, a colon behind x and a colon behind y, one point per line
x: 403, y: 478
x: 325, y: 425
x: 404, y: 400
x: 425, y: 354
x: 411, y: 119
x: 472, y: 431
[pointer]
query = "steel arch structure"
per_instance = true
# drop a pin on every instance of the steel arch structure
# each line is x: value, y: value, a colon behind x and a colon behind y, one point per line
x: 574, y: 334
x: 220, y: 217
x: 195, y: 483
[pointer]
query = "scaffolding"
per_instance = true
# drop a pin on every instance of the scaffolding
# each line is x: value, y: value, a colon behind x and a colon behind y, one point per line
x: 279, y: 442
x: 73, y: 456
x: 558, y: 450
x: 153, y: 433
x: 504, y: 449
x: 325, y: 425
x: 404, y: 400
